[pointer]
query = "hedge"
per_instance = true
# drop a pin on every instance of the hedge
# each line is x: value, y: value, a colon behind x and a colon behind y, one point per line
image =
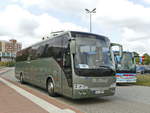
x: 7, y: 64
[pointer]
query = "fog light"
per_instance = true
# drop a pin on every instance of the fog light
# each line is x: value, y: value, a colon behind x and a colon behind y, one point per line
x: 80, y: 86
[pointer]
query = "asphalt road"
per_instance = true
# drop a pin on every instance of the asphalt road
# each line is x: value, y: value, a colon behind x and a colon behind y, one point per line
x: 128, y: 99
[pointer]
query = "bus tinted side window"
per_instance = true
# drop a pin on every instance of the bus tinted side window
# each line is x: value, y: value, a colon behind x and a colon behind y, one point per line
x: 33, y: 53
x: 19, y: 56
x: 44, y: 52
x: 56, y: 48
x: 67, y: 59
x: 22, y: 55
x: 39, y: 52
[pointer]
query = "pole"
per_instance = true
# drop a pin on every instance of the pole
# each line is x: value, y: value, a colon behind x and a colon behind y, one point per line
x: 90, y: 23
x: 90, y: 12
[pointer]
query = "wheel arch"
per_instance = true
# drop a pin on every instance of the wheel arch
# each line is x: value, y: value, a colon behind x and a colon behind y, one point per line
x: 21, y: 73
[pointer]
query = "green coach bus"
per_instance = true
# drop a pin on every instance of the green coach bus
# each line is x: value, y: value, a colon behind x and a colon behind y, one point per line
x: 71, y: 63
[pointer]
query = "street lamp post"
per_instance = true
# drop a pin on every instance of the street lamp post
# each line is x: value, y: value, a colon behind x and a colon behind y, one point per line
x: 90, y: 12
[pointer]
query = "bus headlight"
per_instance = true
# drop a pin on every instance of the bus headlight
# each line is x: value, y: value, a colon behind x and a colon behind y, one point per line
x: 80, y: 86
x: 113, y: 85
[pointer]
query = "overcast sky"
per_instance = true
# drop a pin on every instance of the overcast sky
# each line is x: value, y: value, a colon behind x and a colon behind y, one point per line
x: 124, y: 21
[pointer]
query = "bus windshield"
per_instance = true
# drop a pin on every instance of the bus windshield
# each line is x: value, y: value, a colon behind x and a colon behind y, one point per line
x: 92, y: 53
x: 127, y: 62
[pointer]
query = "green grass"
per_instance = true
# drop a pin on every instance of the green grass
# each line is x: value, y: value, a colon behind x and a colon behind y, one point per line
x: 143, y: 80
x: 7, y: 64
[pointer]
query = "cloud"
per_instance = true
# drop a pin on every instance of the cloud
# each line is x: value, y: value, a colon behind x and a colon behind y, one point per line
x: 130, y: 20
x: 135, y: 41
x: 63, y: 5
x: 12, y: 18
x: 126, y: 22
x: 146, y: 1
x: 132, y: 35
x: 29, y: 28
x: 49, y: 24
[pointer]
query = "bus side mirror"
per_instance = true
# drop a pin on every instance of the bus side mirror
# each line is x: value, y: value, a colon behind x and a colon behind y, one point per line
x: 116, y: 56
x: 73, y: 46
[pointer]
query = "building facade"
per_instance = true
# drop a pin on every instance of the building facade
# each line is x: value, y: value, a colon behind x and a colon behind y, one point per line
x: 8, y: 49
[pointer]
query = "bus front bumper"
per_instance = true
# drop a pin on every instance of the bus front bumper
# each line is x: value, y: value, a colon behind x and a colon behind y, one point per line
x: 120, y: 80
x: 93, y: 92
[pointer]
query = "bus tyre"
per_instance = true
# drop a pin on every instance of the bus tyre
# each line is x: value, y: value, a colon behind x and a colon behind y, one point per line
x: 21, y: 79
x: 50, y: 88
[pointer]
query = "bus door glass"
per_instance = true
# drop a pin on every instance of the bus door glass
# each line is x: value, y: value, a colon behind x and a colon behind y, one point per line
x: 67, y: 67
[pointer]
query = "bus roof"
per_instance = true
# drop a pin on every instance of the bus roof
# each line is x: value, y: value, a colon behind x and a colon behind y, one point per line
x: 62, y: 33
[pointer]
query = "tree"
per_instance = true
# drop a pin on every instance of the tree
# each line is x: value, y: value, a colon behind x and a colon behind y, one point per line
x: 146, y: 59
x: 137, y: 57
x: 136, y: 54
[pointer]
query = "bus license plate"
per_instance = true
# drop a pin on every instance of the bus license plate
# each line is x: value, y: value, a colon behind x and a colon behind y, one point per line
x: 99, y: 91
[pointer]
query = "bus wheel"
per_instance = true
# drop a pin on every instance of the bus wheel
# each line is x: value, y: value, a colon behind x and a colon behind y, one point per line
x: 50, y: 88
x: 21, y: 79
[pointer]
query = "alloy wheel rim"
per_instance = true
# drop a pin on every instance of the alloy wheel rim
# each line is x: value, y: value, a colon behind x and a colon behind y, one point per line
x: 50, y: 87
x: 21, y: 78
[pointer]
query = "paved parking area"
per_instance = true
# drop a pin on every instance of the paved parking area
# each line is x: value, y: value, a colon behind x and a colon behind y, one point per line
x: 15, y: 98
x: 128, y: 99
x: 13, y: 102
